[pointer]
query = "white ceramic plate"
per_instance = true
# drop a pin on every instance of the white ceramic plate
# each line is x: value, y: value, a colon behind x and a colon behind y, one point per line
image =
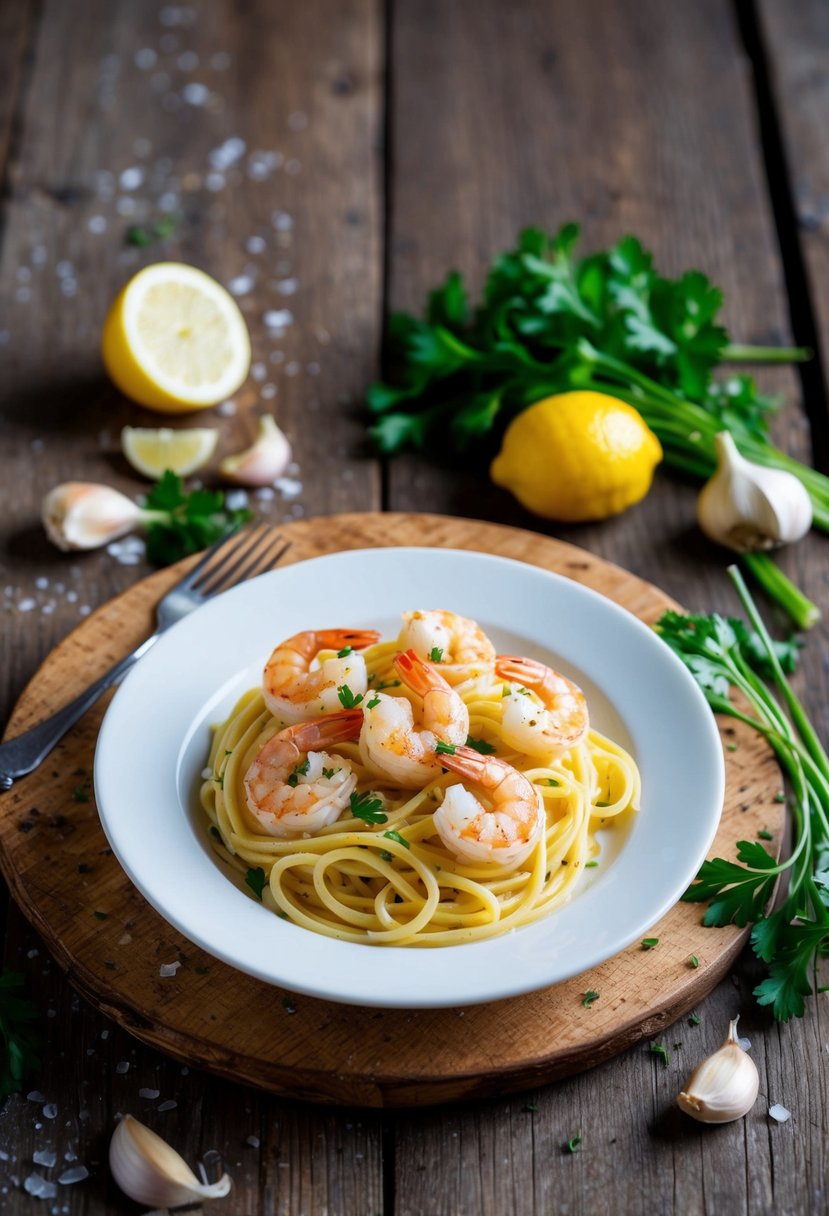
x: 156, y: 735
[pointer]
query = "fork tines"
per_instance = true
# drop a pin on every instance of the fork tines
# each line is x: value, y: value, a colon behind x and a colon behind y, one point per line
x: 237, y: 557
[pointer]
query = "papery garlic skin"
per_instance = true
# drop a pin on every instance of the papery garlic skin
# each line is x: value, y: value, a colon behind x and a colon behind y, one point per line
x: 83, y: 515
x: 148, y: 1170
x: 724, y: 1087
x: 263, y: 462
x: 748, y: 507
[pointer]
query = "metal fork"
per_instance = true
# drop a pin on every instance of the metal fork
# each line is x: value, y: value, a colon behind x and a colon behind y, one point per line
x: 228, y: 562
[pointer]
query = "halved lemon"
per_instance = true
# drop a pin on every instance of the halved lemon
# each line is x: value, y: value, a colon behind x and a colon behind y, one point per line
x: 152, y: 451
x: 175, y: 340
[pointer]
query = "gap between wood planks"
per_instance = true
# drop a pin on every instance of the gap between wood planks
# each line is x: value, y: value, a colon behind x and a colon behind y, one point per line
x: 779, y: 183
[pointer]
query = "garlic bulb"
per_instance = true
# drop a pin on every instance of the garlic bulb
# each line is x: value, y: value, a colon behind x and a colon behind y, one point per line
x: 748, y: 507
x: 148, y: 1170
x: 82, y: 515
x: 724, y: 1087
x: 263, y: 462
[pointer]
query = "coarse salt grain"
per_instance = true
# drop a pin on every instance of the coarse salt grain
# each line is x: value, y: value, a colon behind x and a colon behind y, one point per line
x: 287, y: 287
x: 253, y: 1141
x: 168, y: 1104
x: 235, y: 500
x: 145, y: 58
x: 241, y: 285
x: 258, y: 371
x: 228, y: 153
x: 38, y: 1187
x: 779, y: 1113
x: 123, y: 1066
x: 50, y: 1110
x: 288, y: 487
x: 282, y: 221
x: 278, y: 318
x: 44, y: 1156
x: 77, y: 1173
x: 168, y: 969
x: 255, y: 244
x: 148, y: 1093
x: 227, y: 409
x: 131, y: 178
x: 195, y: 94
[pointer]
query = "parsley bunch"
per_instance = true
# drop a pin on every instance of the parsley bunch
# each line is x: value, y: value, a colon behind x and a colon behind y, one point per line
x: 550, y: 323
x: 723, y: 656
x: 179, y: 523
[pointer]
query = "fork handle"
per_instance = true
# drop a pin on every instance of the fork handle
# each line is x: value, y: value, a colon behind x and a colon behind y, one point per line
x: 23, y: 754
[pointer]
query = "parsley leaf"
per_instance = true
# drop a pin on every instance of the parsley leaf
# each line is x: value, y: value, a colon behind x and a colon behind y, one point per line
x: 368, y: 807
x: 257, y: 881
x: 347, y: 698
x: 18, y: 1034
x: 445, y: 749
x: 589, y: 998
x: 480, y: 745
x: 179, y: 523
x: 436, y: 654
x: 400, y: 839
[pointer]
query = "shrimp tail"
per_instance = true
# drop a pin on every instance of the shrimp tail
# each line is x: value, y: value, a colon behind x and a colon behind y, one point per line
x: 467, y: 762
x: 338, y: 639
x: 323, y: 732
x: 526, y: 671
x: 417, y: 674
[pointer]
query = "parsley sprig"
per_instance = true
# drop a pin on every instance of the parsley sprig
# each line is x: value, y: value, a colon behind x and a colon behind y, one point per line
x: 549, y: 323
x: 724, y: 655
x: 18, y: 1033
x: 180, y: 523
x: 368, y: 807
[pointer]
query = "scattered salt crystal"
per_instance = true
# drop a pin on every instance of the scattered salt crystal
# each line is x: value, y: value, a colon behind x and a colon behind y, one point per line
x: 168, y: 43
x: 241, y: 285
x: 745, y: 1044
x: 3, y: 1156
x: 33, y: 953
x: 23, y: 274
x: 83, y: 1114
x: 779, y: 1113
x: 282, y: 221
x: 188, y: 61
x: 256, y: 244
x: 268, y: 392
x: 69, y: 287
x: 145, y: 58
x: 65, y: 270
x: 297, y: 121
x: 253, y: 1141
x: 4, y: 337
x: 39, y: 1187
x: 206, y: 774
x: 44, y: 1156
x: 278, y: 318
x: 288, y: 487
x: 258, y: 371
x: 48, y: 609
x: 70, y: 1156
x: 127, y: 552
x: 123, y: 1066
x: 292, y: 368
x: 195, y: 94
x: 71, y: 597
x: 41, y: 583
x: 97, y: 224
x: 168, y: 201
x: 23, y: 295
x: 169, y: 1104
x: 125, y: 206
x: 266, y: 494
x: 235, y: 500
x: 25, y: 605
x: 277, y: 356
x: 104, y: 1035
x: 227, y: 409
x: 168, y: 969
x: 37, y: 445
x: 313, y: 369
x: 287, y: 287
x: 40, y: 255
x: 214, y: 182
x: 148, y: 1093
x: 131, y: 178
x: 76, y: 1173
x: 50, y: 1110
x: 228, y: 153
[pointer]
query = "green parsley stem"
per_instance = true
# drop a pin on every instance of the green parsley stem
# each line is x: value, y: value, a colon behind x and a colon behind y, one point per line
x: 738, y: 353
x: 780, y: 589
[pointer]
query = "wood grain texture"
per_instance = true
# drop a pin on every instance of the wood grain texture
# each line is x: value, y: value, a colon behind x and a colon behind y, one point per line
x: 102, y: 932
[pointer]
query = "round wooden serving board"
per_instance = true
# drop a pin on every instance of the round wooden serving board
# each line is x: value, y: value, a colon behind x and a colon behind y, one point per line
x: 56, y: 861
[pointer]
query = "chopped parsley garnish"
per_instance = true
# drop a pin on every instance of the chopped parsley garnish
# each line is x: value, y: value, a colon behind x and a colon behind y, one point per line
x: 659, y: 1049
x: 694, y: 1019
x: 400, y: 839
x: 328, y: 773
x: 693, y: 962
x: 506, y: 691
x: 549, y: 781
x: 648, y: 943
x: 347, y: 697
x: 444, y: 749
x: 288, y: 1005
x: 301, y: 770
x: 524, y: 692
x: 589, y: 998
x: 601, y: 804
x: 257, y: 881
x: 386, y: 684
x: 80, y: 794
x: 765, y: 835
x: 436, y: 654
x: 731, y: 747
x: 385, y: 855
x: 480, y: 745
x: 530, y: 1107
x: 368, y: 807
x: 371, y: 704
x: 345, y: 652
x: 590, y: 865
x: 574, y: 1143
x: 19, y: 1038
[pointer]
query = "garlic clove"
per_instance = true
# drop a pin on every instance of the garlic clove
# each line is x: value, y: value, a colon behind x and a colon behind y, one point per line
x: 748, y: 507
x: 83, y: 515
x: 148, y: 1170
x: 263, y: 462
x: 723, y: 1087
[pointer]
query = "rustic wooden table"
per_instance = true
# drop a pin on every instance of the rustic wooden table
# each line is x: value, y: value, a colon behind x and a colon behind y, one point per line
x: 331, y: 159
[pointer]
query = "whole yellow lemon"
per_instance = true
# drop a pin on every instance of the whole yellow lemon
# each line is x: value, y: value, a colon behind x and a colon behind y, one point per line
x: 577, y: 456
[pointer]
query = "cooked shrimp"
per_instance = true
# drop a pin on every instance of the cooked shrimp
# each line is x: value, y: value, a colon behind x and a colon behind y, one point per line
x: 465, y: 650
x: 562, y: 721
x: 295, y: 693
x: 506, y: 830
x: 400, y: 748
x: 289, y: 795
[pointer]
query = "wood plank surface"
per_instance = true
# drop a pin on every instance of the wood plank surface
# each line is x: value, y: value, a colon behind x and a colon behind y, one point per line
x: 599, y: 128
x: 259, y: 128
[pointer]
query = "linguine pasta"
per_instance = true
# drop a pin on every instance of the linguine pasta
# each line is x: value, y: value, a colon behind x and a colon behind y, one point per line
x: 388, y: 879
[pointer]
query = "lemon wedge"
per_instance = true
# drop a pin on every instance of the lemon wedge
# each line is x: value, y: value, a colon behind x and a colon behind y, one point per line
x: 152, y: 451
x: 175, y: 340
